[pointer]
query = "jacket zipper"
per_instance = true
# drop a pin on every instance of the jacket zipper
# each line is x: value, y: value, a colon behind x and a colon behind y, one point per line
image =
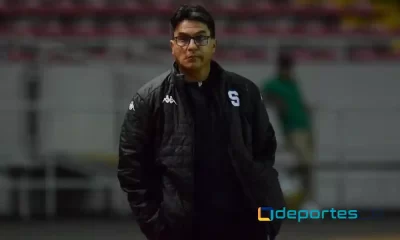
x: 184, y: 97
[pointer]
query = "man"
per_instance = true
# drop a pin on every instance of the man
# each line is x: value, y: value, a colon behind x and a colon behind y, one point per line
x: 196, y: 149
x: 283, y: 92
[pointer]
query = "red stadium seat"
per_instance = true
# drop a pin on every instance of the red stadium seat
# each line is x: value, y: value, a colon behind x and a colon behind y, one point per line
x: 220, y: 25
x: 22, y: 27
x: 303, y: 54
x: 363, y: 55
x: 257, y: 55
x: 17, y: 54
x: 4, y: 30
x: 52, y: 28
x: 65, y: 4
x: 116, y: 28
x: 235, y: 55
x: 83, y: 28
x: 284, y: 27
x: 327, y: 54
x: 248, y: 28
x: 315, y: 28
x: 263, y: 4
x: 151, y: 27
x: 96, y: 3
x: 165, y: 4
x: 229, y: 4
x: 133, y: 5
x: 32, y: 3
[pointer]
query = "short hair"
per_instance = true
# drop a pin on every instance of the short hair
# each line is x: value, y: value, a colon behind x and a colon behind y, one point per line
x: 194, y: 13
x: 285, y: 61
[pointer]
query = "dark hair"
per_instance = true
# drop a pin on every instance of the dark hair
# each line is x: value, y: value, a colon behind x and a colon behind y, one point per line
x: 195, y: 13
x: 285, y: 61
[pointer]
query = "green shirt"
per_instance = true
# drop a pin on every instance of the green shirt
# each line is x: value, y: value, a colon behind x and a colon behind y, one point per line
x: 295, y: 115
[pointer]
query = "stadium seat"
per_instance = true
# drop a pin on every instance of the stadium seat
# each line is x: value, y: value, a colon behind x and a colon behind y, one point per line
x: 154, y: 27
x: 305, y: 3
x: 284, y: 26
x: 262, y: 4
x: 52, y: 28
x: 279, y: 19
x: 363, y: 54
x: 133, y: 4
x: 234, y: 55
x: 22, y: 27
x: 303, y: 54
x: 65, y: 4
x: 83, y: 27
x: 164, y: 4
x: 32, y: 3
x: 221, y: 26
x: 116, y: 28
x: 314, y: 28
x: 362, y: 4
x: 330, y: 4
x: 97, y: 3
x: 229, y: 4
x: 248, y: 28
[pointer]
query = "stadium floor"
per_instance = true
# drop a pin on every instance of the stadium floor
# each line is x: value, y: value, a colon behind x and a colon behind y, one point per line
x: 124, y: 230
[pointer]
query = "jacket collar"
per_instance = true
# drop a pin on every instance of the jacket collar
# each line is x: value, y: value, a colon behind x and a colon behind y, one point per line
x: 178, y: 78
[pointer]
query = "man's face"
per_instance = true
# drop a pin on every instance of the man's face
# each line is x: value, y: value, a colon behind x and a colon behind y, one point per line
x: 192, y: 45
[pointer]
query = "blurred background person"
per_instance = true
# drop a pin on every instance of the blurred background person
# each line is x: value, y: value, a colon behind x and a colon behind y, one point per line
x: 283, y: 92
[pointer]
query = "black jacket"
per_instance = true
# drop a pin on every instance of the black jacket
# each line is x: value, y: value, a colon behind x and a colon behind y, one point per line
x: 156, y: 151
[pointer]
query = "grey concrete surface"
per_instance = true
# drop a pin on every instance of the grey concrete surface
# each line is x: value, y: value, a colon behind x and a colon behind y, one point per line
x: 128, y: 230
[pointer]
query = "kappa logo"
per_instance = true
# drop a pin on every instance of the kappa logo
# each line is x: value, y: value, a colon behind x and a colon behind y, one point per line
x: 131, y: 106
x: 169, y: 99
x: 234, y: 97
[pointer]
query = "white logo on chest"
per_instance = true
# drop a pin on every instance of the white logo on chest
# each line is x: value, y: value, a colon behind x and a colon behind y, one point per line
x: 169, y: 99
x: 234, y: 97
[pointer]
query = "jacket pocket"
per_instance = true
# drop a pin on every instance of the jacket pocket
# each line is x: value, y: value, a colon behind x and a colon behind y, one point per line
x: 267, y: 192
x: 267, y: 188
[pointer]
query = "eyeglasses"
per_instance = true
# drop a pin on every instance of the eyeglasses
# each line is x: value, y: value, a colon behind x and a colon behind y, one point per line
x: 198, y: 40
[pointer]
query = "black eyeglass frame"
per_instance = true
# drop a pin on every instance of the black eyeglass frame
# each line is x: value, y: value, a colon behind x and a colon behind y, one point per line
x: 196, y: 40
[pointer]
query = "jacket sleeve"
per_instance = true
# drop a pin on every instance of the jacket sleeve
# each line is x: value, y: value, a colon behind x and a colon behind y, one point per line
x: 135, y: 169
x: 264, y: 139
x: 264, y: 149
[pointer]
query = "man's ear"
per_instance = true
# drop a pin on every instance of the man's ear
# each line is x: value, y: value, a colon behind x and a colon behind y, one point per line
x: 171, y: 44
x: 214, y: 45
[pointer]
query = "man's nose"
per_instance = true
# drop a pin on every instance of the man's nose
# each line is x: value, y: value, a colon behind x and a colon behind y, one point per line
x: 192, y: 44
